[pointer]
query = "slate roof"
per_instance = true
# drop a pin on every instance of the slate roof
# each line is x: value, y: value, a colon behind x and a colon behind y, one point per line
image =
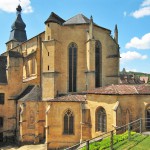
x: 78, y: 19
x: 3, y: 66
x: 14, y: 54
x: 55, y: 18
x: 18, y: 32
x: 32, y: 92
x: 121, y: 90
x: 70, y: 98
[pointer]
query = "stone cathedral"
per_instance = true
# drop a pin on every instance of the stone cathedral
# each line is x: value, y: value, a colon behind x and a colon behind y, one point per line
x: 61, y: 87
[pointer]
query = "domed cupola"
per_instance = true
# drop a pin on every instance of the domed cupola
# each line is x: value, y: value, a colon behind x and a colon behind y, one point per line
x: 18, y: 32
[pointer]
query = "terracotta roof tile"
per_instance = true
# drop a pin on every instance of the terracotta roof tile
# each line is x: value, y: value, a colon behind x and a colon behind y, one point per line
x: 70, y: 98
x: 121, y: 90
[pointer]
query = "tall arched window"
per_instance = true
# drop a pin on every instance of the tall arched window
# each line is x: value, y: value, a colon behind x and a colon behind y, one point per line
x: 72, y: 67
x: 98, y: 63
x: 68, y: 122
x: 101, y: 120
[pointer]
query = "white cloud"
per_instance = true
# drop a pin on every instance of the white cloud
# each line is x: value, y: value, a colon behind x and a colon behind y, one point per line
x: 10, y: 5
x: 143, y: 43
x: 144, y: 10
x: 146, y: 3
x: 129, y: 55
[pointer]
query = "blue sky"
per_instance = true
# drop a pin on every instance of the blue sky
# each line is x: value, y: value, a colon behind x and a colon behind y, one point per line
x: 131, y: 16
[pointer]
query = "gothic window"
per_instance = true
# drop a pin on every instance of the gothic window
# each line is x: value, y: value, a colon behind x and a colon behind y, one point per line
x: 72, y: 67
x: 2, y: 97
x: 101, y: 120
x: 98, y: 63
x: 1, y: 121
x: 68, y: 122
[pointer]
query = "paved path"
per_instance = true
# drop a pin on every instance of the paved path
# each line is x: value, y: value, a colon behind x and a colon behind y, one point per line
x: 25, y: 147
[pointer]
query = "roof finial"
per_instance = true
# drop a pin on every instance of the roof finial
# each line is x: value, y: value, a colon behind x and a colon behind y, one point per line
x: 19, y: 9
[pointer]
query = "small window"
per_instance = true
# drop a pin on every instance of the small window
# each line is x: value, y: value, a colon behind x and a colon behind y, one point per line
x: 48, y: 67
x: 48, y: 24
x: 1, y: 121
x: 48, y: 53
x: 68, y: 122
x: 2, y: 98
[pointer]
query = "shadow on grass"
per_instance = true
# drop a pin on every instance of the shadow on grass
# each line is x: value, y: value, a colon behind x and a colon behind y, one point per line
x: 129, y: 144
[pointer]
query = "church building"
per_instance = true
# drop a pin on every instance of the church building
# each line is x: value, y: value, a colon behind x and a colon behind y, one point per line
x: 61, y: 86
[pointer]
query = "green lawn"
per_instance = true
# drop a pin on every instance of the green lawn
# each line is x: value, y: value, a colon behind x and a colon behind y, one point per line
x: 121, y: 142
x: 137, y: 142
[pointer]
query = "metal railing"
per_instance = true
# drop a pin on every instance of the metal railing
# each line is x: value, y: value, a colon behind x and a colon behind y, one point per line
x: 137, y: 126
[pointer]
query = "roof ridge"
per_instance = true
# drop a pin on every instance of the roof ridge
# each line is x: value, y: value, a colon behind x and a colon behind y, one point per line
x: 135, y: 89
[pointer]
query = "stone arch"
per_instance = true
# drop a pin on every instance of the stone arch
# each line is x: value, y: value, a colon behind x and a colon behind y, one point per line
x: 68, y: 121
x: 100, y: 119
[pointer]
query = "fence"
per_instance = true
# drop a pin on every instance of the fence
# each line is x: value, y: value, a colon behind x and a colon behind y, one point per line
x: 135, y: 127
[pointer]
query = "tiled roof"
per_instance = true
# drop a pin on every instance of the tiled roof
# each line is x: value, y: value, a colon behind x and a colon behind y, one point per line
x: 70, y: 98
x: 121, y: 90
x: 78, y: 19
x: 32, y: 92
x: 55, y: 18
x: 3, y: 65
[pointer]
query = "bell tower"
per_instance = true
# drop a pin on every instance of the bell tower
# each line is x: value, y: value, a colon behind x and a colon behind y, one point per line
x: 18, y: 32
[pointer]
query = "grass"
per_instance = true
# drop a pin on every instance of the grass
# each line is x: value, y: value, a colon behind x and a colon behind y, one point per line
x: 121, y: 142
